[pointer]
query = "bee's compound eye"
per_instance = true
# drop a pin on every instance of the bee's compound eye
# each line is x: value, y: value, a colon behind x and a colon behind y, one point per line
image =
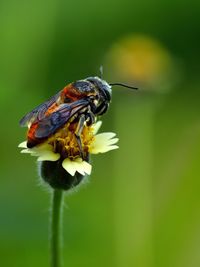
x: 101, y: 109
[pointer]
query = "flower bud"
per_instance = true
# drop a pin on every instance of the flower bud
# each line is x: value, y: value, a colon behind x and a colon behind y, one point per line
x: 56, y: 176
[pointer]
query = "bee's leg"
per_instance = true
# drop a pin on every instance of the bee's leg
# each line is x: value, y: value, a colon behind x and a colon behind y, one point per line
x: 78, y: 132
x: 90, y: 118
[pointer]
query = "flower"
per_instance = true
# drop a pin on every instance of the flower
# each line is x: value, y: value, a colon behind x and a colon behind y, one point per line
x: 143, y: 60
x: 63, y: 147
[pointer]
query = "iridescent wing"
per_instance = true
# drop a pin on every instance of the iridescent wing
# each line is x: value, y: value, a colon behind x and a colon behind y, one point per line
x: 49, y: 124
x: 38, y: 113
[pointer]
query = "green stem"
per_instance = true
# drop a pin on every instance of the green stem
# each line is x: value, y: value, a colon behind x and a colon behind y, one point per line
x: 55, y: 230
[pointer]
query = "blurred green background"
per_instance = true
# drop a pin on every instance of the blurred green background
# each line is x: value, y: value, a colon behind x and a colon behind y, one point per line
x: 141, y: 207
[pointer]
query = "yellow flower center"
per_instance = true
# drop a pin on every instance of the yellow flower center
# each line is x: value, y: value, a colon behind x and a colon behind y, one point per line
x: 64, y: 141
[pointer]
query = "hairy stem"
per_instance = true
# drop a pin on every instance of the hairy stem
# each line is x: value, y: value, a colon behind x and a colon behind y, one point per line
x: 55, y: 229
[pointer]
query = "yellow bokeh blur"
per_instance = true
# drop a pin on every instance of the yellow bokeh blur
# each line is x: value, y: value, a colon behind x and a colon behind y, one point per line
x: 140, y: 206
x: 142, y: 59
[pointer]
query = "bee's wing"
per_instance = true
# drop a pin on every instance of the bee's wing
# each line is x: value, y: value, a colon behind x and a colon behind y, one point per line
x: 38, y: 113
x: 55, y: 120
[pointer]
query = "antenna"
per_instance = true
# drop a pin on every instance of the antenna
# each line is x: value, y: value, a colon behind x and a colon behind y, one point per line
x: 123, y: 85
x: 101, y: 71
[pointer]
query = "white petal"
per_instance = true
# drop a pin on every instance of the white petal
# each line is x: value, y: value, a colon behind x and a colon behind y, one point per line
x: 69, y: 166
x: 83, y: 167
x: 96, y: 126
x: 105, y: 136
x: 108, y: 148
x: 23, y: 144
x: 77, y: 165
x: 80, y: 168
x: 47, y: 155
x: 26, y: 151
x: 112, y: 141
x: 43, y: 152
x: 103, y: 142
x: 103, y: 149
x: 42, y: 147
x: 87, y: 167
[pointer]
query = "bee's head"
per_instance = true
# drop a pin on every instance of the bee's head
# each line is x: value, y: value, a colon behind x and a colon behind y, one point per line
x: 98, y: 91
x: 103, y: 94
x: 102, y: 86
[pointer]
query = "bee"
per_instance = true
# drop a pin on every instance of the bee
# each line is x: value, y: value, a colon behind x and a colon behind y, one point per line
x: 78, y: 103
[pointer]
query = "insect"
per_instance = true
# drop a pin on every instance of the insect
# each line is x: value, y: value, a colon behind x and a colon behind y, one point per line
x: 78, y: 103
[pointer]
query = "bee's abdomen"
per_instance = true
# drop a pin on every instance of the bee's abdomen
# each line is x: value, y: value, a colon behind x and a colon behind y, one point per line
x: 31, y: 139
